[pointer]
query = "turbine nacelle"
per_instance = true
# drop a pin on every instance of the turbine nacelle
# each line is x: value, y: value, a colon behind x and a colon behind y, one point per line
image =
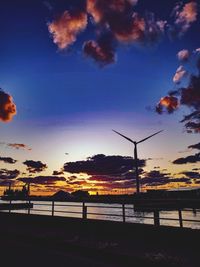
x: 135, y: 153
x: 135, y: 142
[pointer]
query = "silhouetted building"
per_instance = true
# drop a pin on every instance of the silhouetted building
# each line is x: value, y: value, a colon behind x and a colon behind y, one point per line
x: 80, y: 194
x: 62, y: 195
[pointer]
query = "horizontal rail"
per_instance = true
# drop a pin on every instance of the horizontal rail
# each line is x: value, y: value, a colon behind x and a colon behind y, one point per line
x: 104, y: 214
x: 77, y: 212
x: 120, y: 211
x: 61, y: 205
x: 113, y: 207
x: 40, y: 210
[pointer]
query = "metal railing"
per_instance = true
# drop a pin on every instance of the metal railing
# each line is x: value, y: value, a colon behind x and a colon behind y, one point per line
x: 84, y: 213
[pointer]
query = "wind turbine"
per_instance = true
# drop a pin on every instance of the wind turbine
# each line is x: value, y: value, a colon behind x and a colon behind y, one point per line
x: 135, y: 154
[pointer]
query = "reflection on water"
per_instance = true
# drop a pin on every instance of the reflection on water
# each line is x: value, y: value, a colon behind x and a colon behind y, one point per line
x: 112, y: 212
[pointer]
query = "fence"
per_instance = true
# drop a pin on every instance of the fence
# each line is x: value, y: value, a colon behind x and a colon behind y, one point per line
x: 54, y: 208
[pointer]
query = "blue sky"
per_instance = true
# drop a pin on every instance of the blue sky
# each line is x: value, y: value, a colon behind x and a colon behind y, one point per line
x: 67, y: 103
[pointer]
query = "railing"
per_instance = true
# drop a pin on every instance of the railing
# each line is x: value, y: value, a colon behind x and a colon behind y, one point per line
x: 122, y: 210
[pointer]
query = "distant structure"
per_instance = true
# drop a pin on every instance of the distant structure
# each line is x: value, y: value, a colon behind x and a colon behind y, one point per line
x: 16, y: 193
x: 135, y: 155
x: 62, y: 195
x: 80, y: 194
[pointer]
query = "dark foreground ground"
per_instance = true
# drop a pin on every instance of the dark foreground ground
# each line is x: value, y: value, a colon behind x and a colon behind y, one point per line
x: 31, y: 240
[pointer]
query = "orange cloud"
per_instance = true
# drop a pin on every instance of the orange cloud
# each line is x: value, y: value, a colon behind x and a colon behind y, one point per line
x: 19, y: 146
x: 101, y: 9
x: 65, y: 29
x: 102, y: 50
x: 186, y: 16
x: 118, y: 16
x: 169, y: 102
x: 7, y: 107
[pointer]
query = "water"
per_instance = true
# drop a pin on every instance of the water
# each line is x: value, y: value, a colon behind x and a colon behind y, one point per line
x: 112, y: 212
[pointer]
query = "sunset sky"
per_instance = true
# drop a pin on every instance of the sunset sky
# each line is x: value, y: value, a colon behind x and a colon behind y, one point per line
x: 73, y: 70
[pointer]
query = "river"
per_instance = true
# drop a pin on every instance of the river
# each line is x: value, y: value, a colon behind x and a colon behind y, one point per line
x: 113, y: 212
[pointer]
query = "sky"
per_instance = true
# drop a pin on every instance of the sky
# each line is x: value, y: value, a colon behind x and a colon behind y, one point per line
x: 71, y: 71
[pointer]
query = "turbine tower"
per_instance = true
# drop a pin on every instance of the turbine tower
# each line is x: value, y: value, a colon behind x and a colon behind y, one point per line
x: 135, y: 154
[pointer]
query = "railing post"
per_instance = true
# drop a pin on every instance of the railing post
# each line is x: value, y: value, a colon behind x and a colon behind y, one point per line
x: 29, y: 209
x: 52, y: 211
x: 194, y: 211
x: 84, y: 214
x: 10, y: 206
x: 156, y: 218
x: 123, y: 213
x: 180, y: 218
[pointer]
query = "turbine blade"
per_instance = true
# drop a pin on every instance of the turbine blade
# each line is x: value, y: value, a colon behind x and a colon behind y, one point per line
x: 130, y: 140
x: 149, y: 137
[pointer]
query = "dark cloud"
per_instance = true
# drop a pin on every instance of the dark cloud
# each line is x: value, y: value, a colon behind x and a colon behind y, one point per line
x: 195, y: 146
x: 7, y: 107
x: 179, y: 180
x: 34, y: 166
x: 102, y: 50
x: 103, y: 165
x: 189, y: 159
x: 124, y: 23
x: 8, y: 160
x: 116, y: 17
x: 107, y: 12
x: 154, y: 178
x: 8, y: 174
x: 158, y: 178
x: 154, y: 29
x: 191, y: 174
x: 7, y: 182
x: 61, y: 172
x: 120, y: 19
x: 78, y: 182
x: 155, y: 159
x: 188, y: 96
x: 114, y: 178
x: 42, y: 180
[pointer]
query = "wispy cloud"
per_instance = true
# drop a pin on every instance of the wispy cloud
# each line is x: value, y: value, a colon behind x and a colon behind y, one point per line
x: 179, y: 75
x: 18, y: 146
x: 189, y: 159
x: 42, y: 180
